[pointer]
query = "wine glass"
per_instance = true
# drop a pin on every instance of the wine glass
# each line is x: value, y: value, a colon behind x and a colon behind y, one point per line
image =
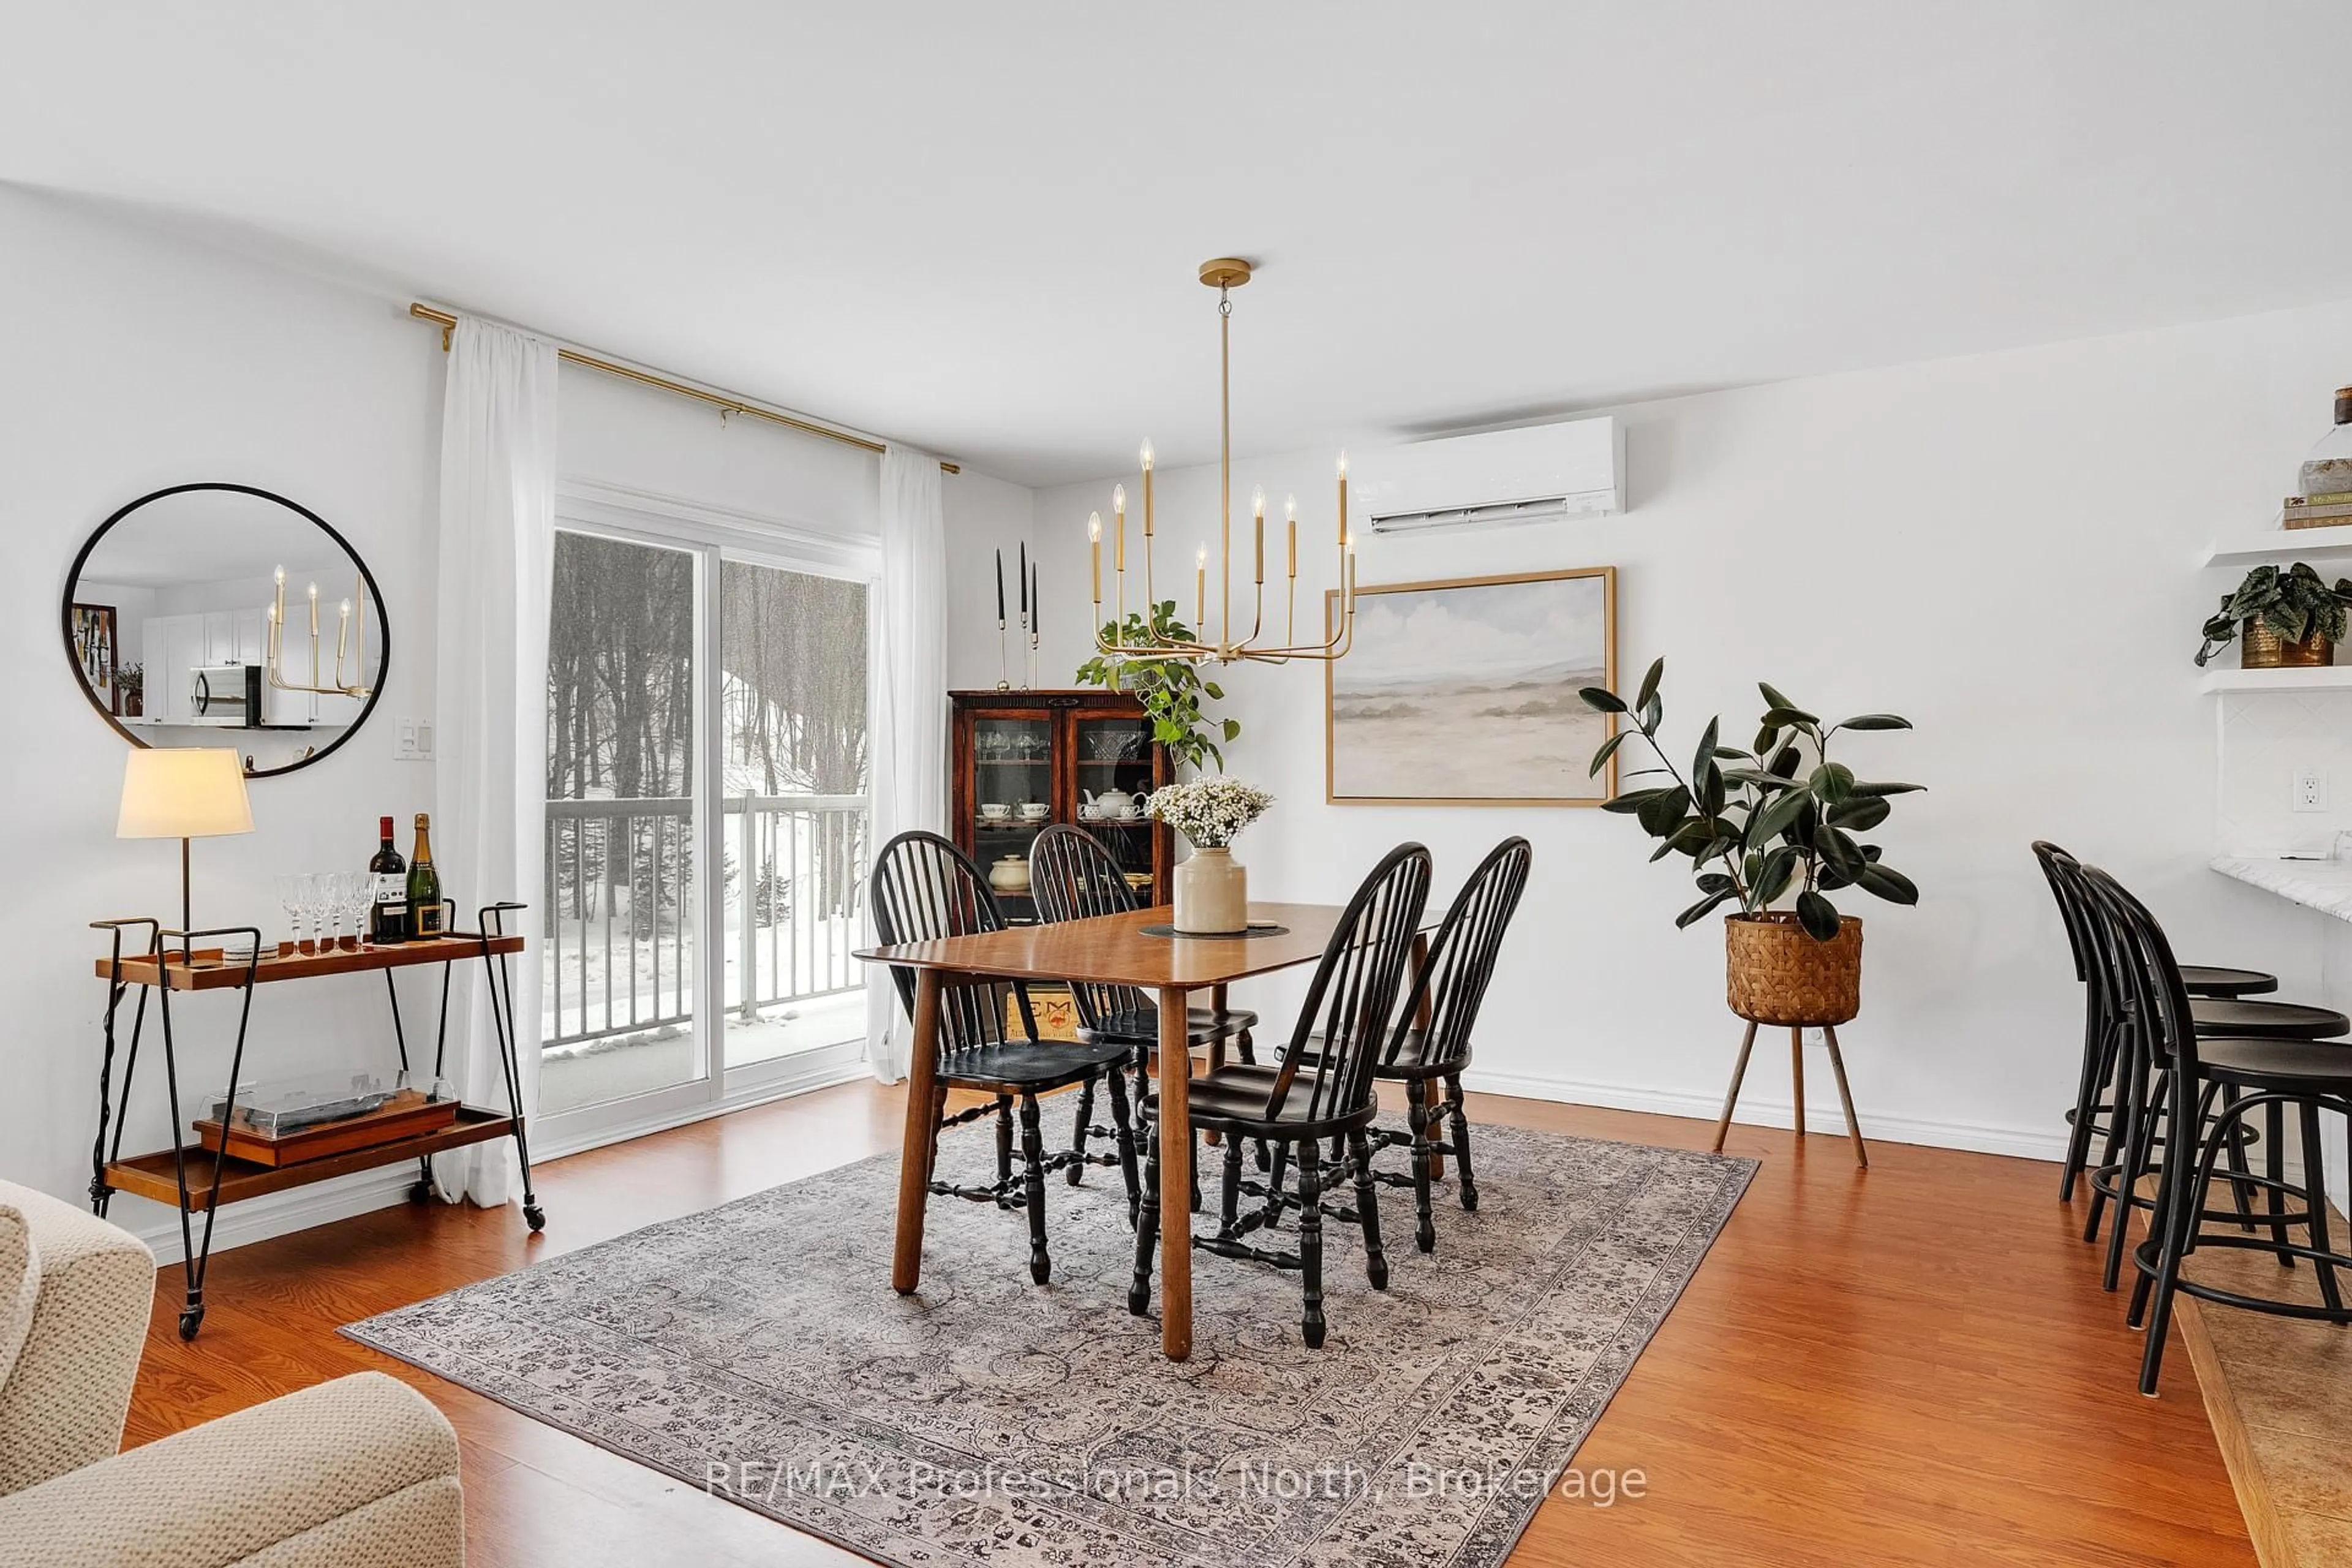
x: 306, y: 889
x: 359, y: 898
x: 346, y: 911
x: 291, y: 899
x: 333, y: 910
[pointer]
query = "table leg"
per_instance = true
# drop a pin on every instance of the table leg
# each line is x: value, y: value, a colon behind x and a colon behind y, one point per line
x: 915, y: 1147
x: 1175, y: 1162
x: 1421, y: 1017
x: 1216, y: 1045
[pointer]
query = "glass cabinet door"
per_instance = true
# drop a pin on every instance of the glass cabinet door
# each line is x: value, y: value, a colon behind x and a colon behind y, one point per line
x: 1013, y: 800
x: 1114, y: 767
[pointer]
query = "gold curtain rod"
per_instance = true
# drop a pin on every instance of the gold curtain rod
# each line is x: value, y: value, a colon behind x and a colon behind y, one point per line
x: 448, y: 323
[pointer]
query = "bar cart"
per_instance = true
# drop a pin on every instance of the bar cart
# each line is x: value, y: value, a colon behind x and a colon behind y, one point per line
x: 190, y: 1176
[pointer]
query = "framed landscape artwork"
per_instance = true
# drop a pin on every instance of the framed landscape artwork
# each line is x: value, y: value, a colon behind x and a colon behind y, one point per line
x: 1464, y: 693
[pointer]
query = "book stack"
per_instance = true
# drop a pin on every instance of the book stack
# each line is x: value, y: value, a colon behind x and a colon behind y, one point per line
x: 2330, y: 510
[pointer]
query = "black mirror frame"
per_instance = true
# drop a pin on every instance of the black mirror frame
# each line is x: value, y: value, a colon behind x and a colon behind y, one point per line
x: 383, y: 615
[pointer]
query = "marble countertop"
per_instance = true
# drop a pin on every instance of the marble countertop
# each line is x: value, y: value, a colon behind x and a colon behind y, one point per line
x: 2322, y: 885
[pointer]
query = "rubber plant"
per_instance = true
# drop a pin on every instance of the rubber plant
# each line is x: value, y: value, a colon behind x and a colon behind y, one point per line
x: 1171, y: 689
x: 2294, y: 604
x: 1759, y: 825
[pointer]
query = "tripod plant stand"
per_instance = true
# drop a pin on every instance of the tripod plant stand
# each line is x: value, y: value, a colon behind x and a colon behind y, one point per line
x: 1819, y: 990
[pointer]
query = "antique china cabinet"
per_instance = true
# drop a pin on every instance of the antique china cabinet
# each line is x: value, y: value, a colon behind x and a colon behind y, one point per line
x: 1021, y: 760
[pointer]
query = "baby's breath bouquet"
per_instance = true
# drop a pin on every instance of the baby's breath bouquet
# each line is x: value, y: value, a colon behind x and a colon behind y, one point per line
x: 1208, y: 812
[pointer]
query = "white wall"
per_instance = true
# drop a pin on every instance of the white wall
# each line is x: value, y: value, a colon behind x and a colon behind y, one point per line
x: 2001, y: 548
x: 135, y: 361
x: 140, y: 359
x: 983, y: 516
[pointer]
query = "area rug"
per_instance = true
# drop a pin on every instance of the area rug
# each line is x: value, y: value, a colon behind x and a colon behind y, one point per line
x: 758, y: 1350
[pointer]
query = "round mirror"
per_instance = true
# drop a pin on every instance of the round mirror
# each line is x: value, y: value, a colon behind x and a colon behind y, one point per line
x: 225, y: 615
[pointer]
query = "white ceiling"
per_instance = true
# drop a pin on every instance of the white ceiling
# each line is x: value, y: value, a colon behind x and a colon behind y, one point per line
x: 976, y: 226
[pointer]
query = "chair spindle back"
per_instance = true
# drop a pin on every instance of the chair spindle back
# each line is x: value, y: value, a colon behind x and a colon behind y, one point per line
x: 1354, y: 993
x: 1462, y: 955
x: 924, y: 888
x: 1074, y: 877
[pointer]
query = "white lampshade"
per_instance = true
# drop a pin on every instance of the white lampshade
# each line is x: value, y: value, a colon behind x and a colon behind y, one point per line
x: 192, y: 793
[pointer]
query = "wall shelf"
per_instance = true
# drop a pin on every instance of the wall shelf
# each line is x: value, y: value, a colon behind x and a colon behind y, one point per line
x: 2328, y: 678
x: 2314, y: 544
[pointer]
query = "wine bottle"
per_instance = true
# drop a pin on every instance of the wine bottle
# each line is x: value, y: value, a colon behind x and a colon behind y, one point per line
x: 425, y: 922
x: 388, y: 915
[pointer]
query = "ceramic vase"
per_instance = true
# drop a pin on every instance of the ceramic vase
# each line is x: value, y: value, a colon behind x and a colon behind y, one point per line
x: 1211, y: 892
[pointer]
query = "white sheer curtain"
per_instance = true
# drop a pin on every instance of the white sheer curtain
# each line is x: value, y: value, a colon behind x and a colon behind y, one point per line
x: 908, y: 722
x: 496, y: 561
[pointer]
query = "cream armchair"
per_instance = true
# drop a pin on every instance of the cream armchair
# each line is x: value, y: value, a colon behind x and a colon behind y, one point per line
x: 358, y: 1473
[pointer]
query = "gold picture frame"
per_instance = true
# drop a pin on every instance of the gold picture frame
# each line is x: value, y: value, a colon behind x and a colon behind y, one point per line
x: 1392, y: 710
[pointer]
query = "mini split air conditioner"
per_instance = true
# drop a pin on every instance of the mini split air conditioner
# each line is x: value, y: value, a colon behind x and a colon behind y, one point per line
x: 1537, y: 474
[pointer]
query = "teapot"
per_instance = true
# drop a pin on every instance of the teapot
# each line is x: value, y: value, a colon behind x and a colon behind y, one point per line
x: 1113, y: 805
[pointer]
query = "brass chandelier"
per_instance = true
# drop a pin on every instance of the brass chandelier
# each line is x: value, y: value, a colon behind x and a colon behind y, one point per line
x: 1160, y: 638
x: 274, y: 655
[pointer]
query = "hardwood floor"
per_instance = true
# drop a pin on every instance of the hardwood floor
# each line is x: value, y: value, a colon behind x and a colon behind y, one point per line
x: 1914, y: 1366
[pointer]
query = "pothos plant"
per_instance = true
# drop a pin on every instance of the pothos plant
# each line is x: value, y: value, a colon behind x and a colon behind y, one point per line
x: 1171, y: 689
x: 2293, y: 604
x: 1759, y: 823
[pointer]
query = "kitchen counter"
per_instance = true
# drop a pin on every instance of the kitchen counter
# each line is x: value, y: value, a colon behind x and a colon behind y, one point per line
x: 2322, y: 885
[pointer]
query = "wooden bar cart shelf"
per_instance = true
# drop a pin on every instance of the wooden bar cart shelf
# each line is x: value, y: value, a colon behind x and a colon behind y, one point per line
x: 191, y: 1178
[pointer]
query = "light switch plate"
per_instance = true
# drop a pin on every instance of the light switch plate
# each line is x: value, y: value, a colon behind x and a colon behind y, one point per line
x: 412, y: 741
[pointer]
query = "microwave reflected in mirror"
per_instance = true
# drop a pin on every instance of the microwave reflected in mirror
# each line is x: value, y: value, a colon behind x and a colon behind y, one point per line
x: 218, y: 614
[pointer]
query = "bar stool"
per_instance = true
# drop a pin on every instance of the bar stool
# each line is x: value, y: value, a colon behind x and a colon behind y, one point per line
x: 2243, y: 1074
x: 2099, y: 1010
x: 2140, y: 1084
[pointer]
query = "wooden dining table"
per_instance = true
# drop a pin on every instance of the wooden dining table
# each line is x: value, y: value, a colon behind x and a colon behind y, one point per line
x: 1110, y: 950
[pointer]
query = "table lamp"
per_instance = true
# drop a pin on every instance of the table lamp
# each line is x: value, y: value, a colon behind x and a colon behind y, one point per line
x: 183, y: 794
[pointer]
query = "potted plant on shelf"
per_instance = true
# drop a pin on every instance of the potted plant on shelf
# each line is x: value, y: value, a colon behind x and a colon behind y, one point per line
x: 131, y: 690
x: 1171, y: 689
x: 1211, y: 887
x: 1779, y: 822
x: 2289, y: 619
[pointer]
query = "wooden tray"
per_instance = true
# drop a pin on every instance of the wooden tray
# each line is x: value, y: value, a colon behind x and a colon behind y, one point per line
x: 407, y: 1114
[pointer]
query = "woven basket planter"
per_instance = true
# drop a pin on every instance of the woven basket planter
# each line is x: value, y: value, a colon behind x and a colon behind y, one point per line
x: 1777, y: 973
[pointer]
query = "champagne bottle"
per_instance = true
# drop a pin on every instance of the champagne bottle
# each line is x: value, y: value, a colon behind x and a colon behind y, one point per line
x: 388, y: 914
x: 423, y: 887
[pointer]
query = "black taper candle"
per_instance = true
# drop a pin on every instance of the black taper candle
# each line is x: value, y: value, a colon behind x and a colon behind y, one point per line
x: 1025, y: 580
x: 1000, y: 587
x: 1036, y: 601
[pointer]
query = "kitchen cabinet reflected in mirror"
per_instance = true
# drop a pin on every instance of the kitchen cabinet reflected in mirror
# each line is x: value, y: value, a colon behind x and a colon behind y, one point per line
x: 218, y: 614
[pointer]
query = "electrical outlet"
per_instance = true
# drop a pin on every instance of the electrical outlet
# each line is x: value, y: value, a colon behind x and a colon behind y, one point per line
x: 412, y: 741
x: 2310, y: 789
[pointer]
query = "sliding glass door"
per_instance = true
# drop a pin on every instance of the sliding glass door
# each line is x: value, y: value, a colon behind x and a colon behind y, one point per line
x: 706, y: 820
x: 619, y: 976
x: 793, y: 769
